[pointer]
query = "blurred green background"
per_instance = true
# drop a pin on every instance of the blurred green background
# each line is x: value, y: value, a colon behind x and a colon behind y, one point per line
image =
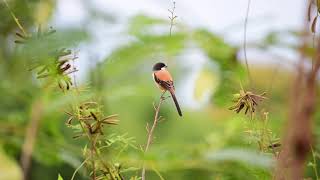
x: 208, y: 142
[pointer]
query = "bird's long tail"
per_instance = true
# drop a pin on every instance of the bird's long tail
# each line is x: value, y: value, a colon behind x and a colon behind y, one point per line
x: 175, y: 101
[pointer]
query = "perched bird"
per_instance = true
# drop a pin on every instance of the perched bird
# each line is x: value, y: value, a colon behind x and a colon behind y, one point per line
x: 164, y: 82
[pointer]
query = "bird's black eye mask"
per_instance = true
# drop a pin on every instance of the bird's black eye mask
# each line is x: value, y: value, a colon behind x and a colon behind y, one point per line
x: 158, y: 66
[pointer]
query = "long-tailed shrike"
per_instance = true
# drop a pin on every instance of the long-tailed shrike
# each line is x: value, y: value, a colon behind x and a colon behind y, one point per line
x: 164, y: 81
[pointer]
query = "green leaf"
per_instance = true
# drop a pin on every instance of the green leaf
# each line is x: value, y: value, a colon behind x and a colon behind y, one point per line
x: 60, y: 177
x: 139, y: 24
x: 136, y: 54
x: 9, y: 168
x: 84, y: 151
x: 216, y: 48
x: 311, y: 164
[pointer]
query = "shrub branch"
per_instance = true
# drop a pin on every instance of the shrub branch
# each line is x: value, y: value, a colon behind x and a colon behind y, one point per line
x: 172, y: 16
x: 16, y: 20
x: 298, y: 138
x: 150, y: 131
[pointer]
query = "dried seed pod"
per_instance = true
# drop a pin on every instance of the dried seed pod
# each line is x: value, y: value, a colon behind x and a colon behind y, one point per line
x: 69, y: 121
x: 19, y: 42
x: 77, y: 136
x: 111, y: 122
x: 274, y: 145
x: 93, y: 115
x: 309, y: 11
x: 20, y: 35
x: 68, y: 66
x: 60, y: 86
x: 247, y: 100
x: 314, y: 24
x: 61, y: 63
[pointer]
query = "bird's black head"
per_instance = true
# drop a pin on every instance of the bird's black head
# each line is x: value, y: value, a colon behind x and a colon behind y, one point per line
x: 158, y: 66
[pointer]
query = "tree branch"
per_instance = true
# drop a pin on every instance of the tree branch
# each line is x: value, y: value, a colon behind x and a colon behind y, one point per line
x: 298, y: 138
x: 150, y: 132
x: 30, y: 137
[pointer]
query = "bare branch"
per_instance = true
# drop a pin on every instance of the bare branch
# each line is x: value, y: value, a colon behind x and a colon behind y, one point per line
x: 16, y: 20
x: 298, y: 138
x: 172, y: 17
x: 150, y: 132
x: 30, y: 136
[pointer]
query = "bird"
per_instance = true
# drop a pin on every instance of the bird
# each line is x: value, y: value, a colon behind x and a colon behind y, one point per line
x: 164, y: 82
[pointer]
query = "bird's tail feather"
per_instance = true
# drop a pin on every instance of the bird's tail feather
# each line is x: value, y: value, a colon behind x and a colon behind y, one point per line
x: 175, y: 101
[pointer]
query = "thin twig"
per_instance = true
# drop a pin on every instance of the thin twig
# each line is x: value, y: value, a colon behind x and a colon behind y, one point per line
x: 15, y: 19
x: 150, y: 133
x: 313, y: 47
x: 112, y: 177
x: 172, y: 17
x: 93, y: 146
x: 314, y: 165
x: 74, y: 70
x: 88, y: 134
x: 158, y: 173
x: 75, y: 172
x: 245, y: 41
x: 313, y: 24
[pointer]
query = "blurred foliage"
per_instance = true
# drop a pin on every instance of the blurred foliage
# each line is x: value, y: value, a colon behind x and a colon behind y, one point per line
x: 10, y: 167
x: 210, y: 142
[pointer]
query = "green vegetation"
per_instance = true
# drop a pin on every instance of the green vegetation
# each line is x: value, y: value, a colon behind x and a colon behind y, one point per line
x: 53, y: 126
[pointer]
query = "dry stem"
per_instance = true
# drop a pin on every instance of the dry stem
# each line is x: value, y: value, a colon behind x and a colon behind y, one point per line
x: 16, y: 20
x: 30, y: 137
x: 298, y: 138
x: 172, y: 17
x: 150, y: 133
x: 93, y: 146
x: 245, y: 41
